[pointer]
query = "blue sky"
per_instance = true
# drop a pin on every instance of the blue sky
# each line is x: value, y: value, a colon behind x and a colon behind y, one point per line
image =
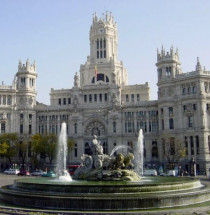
x: 55, y: 33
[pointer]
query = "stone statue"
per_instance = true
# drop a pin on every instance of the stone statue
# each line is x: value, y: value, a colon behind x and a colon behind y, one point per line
x: 76, y: 80
x: 99, y: 166
x: 96, y: 147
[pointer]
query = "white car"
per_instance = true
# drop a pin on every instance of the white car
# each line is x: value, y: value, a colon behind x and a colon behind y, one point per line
x: 12, y: 171
x: 150, y: 172
x: 171, y: 173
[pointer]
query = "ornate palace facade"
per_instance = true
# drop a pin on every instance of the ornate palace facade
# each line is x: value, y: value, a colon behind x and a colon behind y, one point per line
x: 102, y: 103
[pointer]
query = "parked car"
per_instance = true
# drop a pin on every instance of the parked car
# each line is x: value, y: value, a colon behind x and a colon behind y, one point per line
x: 150, y: 172
x: 12, y: 171
x: 72, y: 168
x: 49, y: 174
x: 37, y: 173
x: 171, y: 173
x: 163, y: 174
x: 24, y: 172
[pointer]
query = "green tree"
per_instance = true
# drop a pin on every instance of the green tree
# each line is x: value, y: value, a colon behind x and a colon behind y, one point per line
x: 8, y: 145
x: 36, y: 149
x: 50, y: 143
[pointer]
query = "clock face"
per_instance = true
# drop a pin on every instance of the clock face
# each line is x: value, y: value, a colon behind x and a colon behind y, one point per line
x: 100, y: 30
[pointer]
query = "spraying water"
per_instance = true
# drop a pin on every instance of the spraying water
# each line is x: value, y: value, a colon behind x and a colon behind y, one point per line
x: 62, y: 155
x: 116, y: 148
x: 139, y: 154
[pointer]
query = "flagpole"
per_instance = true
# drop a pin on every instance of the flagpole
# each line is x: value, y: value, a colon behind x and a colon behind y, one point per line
x: 96, y: 73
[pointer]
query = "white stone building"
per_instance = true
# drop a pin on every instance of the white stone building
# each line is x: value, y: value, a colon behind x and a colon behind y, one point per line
x: 102, y: 103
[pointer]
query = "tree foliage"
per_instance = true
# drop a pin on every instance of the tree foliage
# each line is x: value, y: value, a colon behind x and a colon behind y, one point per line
x: 8, y: 145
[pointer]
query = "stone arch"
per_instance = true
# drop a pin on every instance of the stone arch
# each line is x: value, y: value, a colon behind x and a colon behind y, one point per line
x: 95, y: 127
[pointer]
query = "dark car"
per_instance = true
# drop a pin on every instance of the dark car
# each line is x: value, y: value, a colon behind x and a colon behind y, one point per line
x: 23, y: 172
x: 72, y: 168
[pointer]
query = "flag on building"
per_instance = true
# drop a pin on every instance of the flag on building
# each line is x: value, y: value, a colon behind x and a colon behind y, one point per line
x: 96, y: 72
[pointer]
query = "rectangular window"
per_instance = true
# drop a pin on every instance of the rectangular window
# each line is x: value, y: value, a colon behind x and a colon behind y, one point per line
x: 85, y: 98
x: 69, y: 101
x: 101, y: 54
x: 90, y: 98
x: 171, y: 123
x: 162, y: 124
x: 3, y: 128
x: 186, y: 145
x: 114, y: 127
x: 138, y: 98
x: 59, y: 101
x: 9, y: 100
x: 197, y: 144
x: 126, y: 127
x: 170, y: 110
x: 29, y: 129
x: 97, y: 54
x: 192, y: 145
x: 64, y: 101
x: 190, y: 121
x: 100, y: 97
x: 0, y: 99
x: 132, y: 97
x: 105, y: 96
x: 209, y: 143
x: 21, y: 128
x: 95, y: 97
x: 127, y: 98
x: 75, y: 150
x: 22, y: 80
x: 194, y: 107
x: 4, y: 100
x: 154, y: 126
x: 104, y: 53
x: 150, y: 127
x: 75, y: 128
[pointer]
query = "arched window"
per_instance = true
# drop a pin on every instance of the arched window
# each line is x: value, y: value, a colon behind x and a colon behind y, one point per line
x: 101, y: 44
x: 194, y: 90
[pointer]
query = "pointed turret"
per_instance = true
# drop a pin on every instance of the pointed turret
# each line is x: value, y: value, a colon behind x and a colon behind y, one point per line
x: 198, y: 66
x: 168, y: 64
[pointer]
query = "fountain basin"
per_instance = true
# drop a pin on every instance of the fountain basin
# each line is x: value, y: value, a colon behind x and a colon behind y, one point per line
x: 151, y: 192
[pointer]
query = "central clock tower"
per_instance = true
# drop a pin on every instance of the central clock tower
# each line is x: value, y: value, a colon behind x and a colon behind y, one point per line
x: 103, y: 66
x: 103, y: 38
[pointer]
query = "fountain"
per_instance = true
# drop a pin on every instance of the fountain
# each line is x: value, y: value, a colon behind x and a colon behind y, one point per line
x: 104, y: 184
x: 62, y: 149
x: 139, y: 154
